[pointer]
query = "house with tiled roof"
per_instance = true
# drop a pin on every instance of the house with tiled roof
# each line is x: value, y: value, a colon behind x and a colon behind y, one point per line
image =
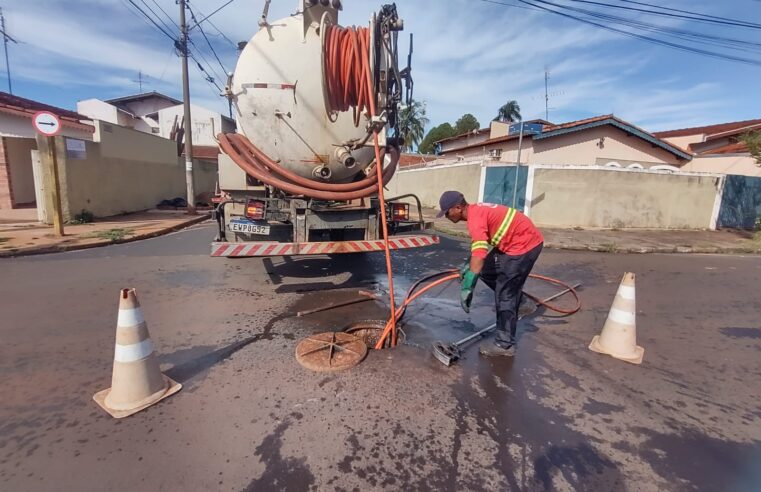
x: 717, y: 148
x: 600, y: 140
x: 17, y: 141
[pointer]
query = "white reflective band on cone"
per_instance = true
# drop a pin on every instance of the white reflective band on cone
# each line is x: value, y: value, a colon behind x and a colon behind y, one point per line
x: 130, y: 317
x: 131, y: 353
x: 188, y: 165
x: 621, y: 317
x: 627, y: 292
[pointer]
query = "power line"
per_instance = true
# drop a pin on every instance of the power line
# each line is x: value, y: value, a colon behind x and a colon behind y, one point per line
x: 724, y: 42
x: 167, y: 15
x: 217, y: 10
x: 635, y: 35
x: 153, y: 22
x: 683, y: 11
x: 692, y: 16
x: 661, y: 42
x: 167, y: 27
x: 213, y: 52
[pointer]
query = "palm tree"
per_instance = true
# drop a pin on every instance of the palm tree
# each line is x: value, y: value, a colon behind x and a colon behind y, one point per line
x: 509, y: 112
x: 412, y: 123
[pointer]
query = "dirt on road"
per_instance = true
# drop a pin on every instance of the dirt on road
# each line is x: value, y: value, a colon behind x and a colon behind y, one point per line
x: 556, y: 417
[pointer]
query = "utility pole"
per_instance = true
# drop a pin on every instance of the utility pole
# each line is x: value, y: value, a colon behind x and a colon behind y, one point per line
x: 186, y: 103
x: 546, y: 95
x: 5, y: 45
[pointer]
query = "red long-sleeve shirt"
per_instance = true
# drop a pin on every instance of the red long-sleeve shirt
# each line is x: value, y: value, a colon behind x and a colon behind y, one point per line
x: 501, y: 227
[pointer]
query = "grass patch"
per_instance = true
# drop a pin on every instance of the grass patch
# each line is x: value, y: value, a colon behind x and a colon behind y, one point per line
x: 111, y: 234
x: 84, y: 217
x: 608, y: 247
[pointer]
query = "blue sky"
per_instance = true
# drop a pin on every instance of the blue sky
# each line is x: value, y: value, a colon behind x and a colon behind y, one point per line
x: 470, y: 57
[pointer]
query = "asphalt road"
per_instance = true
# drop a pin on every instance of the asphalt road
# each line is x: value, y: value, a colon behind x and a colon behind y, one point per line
x: 557, y: 417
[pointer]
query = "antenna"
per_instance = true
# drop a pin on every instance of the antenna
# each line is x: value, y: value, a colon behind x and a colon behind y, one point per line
x: 546, y: 94
x: 5, y: 46
x: 139, y: 80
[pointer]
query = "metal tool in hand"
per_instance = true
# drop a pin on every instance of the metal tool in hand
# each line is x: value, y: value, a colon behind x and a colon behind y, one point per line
x: 447, y: 353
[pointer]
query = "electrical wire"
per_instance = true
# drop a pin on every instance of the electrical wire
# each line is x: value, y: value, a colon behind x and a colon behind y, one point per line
x: 152, y: 21
x: 740, y: 45
x: 693, y: 36
x: 692, y: 15
x: 700, y: 51
x: 158, y: 17
x: 171, y: 19
x: 193, y: 16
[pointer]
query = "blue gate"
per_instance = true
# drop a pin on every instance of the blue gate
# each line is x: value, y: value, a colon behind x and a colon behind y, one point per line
x: 741, y: 202
x: 499, y: 186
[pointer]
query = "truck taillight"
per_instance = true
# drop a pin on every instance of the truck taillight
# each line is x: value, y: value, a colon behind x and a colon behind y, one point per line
x: 255, y: 209
x: 400, y: 211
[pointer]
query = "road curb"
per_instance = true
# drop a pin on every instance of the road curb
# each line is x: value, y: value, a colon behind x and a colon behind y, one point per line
x: 612, y: 248
x: 60, y: 248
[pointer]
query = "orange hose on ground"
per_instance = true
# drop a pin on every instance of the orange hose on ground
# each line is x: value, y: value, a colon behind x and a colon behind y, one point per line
x: 456, y: 275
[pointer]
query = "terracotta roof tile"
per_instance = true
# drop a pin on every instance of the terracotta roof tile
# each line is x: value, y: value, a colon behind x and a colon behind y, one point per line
x: 30, y: 106
x: 710, y: 129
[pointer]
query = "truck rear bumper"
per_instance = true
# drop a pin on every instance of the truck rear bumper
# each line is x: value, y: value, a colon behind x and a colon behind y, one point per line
x: 270, y: 248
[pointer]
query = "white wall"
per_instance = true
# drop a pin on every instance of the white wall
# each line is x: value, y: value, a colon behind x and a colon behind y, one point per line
x: 206, y: 124
x: 98, y: 110
x: 21, y: 126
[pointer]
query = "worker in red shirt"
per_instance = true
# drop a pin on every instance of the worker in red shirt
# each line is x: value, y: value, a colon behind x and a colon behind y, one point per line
x: 505, y: 245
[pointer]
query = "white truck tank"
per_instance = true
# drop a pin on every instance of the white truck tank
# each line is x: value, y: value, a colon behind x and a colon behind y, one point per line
x: 278, y: 95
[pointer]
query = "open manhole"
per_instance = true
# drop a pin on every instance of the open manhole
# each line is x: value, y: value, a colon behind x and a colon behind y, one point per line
x: 331, y: 351
x: 370, y: 331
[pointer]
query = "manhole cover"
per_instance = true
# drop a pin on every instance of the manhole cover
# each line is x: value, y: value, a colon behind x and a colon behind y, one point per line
x: 370, y: 331
x: 331, y: 351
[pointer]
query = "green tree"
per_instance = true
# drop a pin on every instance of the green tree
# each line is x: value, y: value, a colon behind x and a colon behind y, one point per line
x: 412, y: 123
x: 466, y: 123
x: 753, y: 141
x: 509, y: 112
x: 437, y: 133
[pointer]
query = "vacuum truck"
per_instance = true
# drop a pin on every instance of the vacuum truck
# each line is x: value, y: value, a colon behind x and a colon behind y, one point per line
x: 317, y: 107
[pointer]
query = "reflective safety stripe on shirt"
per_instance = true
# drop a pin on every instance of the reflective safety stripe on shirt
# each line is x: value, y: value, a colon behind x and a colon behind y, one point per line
x: 503, y: 227
x: 479, y: 245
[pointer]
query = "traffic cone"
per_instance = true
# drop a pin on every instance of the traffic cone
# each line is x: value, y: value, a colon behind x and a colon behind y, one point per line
x: 136, y: 382
x: 619, y: 334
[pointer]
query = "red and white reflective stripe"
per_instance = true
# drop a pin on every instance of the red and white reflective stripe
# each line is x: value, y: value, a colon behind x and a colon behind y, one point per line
x: 258, y: 85
x: 319, y: 248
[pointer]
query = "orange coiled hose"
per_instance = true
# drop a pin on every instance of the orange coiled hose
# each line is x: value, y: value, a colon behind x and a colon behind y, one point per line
x: 346, y: 60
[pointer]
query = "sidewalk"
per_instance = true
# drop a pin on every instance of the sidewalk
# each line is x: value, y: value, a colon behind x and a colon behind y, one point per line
x: 631, y: 240
x: 21, y: 234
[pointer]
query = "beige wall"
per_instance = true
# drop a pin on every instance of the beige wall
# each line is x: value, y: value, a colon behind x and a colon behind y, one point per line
x: 428, y: 184
x: 578, y: 148
x: 583, y: 148
x: 126, y: 171
x: 686, y: 140
x: 19, y: 156
x: 623, y: 199
x: 725, y: 164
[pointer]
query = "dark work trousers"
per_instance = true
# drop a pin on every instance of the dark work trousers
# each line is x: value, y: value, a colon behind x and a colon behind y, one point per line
x: 505, y: 275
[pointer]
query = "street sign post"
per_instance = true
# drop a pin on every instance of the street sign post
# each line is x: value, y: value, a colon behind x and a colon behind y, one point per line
x: 49, y: 124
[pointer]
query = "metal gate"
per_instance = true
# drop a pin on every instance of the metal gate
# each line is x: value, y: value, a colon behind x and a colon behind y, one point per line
x: 499, y: 186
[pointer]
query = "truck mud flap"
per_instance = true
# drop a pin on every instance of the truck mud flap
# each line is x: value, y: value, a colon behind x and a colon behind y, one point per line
x: 264, y: 248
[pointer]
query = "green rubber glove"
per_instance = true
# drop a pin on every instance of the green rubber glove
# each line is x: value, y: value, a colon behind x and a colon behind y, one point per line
x: 469, y: 280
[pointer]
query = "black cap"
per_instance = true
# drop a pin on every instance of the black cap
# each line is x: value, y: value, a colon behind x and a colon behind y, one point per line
x: 448, y: 200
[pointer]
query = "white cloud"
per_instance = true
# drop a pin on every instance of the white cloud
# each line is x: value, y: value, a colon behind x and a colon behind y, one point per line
x: 469, y: 57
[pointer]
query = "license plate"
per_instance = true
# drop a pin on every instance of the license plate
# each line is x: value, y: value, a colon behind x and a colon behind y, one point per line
x: 249, y: 228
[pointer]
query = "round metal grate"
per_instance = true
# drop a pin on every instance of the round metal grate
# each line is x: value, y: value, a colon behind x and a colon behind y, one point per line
x: 331, y: 351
